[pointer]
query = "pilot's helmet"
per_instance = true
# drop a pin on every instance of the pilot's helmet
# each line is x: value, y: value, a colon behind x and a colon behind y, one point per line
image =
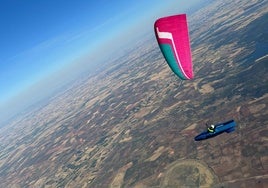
x: 212, y: 126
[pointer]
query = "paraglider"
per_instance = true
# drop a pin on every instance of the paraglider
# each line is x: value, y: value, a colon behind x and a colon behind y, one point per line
x: 173, y: 39
x: 220, y: 128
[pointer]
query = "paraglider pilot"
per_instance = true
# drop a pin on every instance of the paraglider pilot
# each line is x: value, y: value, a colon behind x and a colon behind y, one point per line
x: 211, y: 128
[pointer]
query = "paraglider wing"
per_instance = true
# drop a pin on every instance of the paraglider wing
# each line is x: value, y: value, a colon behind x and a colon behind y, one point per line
x: 173, y: 39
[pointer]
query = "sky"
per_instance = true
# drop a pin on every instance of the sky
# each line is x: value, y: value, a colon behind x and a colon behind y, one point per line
x: 43, y: 43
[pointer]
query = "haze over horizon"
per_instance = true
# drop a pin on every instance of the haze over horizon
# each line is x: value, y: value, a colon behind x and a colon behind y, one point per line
x: 48, y: 43
x: 99, y: 106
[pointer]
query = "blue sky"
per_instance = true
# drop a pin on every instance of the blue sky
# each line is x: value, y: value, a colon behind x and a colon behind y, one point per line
x: 40, y: 38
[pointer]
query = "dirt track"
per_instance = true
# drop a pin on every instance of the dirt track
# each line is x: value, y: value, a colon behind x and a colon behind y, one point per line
x: 188, y: 173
